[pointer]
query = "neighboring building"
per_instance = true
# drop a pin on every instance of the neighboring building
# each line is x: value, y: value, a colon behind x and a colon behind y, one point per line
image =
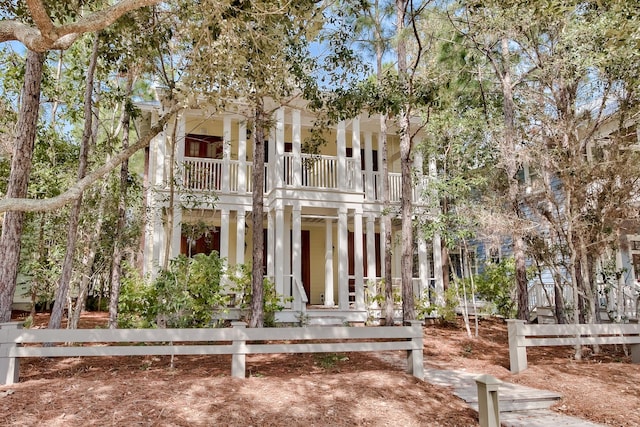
x: 322, y: 213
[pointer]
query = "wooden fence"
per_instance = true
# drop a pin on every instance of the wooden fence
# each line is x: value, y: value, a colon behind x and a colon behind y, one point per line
x: 238, y: 341
x: 522, y: 335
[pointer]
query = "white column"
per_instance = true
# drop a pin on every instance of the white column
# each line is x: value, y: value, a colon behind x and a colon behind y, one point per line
x: 286, y: 234
x: 328, y: 264
x: 226, y: 152
x: 343, y: 260
x: 240, y: 229
x: 368, y: 166
x: 242, y: 157
x: 271, y: 245
x: 279, y: 152
x: 438, y: 272
x: 279, y: 255
x: 157, y: 238
x: 297, y: 251
x: 371, y: 258
x: 437, y: 269
x: 271, y: 171
x: 419, y: 187
x: 355, y: 150
x: 425, y: 268
x: 176, y: 232
x: 342, y: 156
x: 224, y: 233
x: 179, y: 151
x: 371, y: 248
x: 297, y: 145
x: 358, y: 259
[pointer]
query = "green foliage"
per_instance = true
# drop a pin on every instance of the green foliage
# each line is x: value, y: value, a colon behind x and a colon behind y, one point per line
x: 273, y: 302
x: 190, y: 293
x: 445, y: 313
x: 187, y: 294
x: 497, y: 285
x: 329, y: 360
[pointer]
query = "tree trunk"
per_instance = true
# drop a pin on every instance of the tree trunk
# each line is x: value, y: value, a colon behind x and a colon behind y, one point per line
x: 406, y: 205
x: 389, y: 303
x: 509, y: 151
x: 74, y: 214
x: 21, y: 162
x: 116, y: 268
x: 257, y: 276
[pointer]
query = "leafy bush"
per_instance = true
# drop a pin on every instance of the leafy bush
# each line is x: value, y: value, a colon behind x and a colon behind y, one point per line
x: 273, y: 302
x: 187, y: 294
x: 497, y: 286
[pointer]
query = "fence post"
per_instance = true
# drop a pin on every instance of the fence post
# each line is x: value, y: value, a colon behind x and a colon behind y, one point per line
x: 238, y: 359
x: 488, y: 401
x: 9, y: 366
x: 415, y: 356
x: 517, y: 349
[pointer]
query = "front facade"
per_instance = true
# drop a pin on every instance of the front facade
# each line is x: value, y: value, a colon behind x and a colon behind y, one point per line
x: 322, y: 212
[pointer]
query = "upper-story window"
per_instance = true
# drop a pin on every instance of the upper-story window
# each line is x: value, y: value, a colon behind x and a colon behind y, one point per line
x: 204, y: 146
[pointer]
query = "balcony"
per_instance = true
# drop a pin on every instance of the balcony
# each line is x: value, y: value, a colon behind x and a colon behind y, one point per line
x: 315, y: 173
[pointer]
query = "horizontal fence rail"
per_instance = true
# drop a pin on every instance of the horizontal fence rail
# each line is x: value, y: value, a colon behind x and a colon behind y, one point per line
x: 237, y: 341
x: 522, y: 335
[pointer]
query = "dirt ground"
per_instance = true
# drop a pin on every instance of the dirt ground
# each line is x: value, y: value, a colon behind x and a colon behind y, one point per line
x: 308, y: 389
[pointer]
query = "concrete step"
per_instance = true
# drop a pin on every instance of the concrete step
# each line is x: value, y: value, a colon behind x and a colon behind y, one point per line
x: 327, y: 321
x: 512, y: 397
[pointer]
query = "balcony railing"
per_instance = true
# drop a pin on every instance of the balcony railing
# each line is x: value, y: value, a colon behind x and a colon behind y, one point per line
x: 316, y: 172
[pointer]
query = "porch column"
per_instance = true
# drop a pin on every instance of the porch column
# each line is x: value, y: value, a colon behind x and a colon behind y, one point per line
x: 438, y: 272
x: 176, y: 232
x: 279, y: 253
x: 358, y: 259
x: 157, y: 238
x: 271, y: 245
x: 342, y: 156
x: 418, y: 189
x: 328, y: 264
x: 343, y: 260
x: 425, y: 268
x: 296, y: 259
x: 224, y: 233
x: 226, y: 152
x: 368, y: 167
x: 355, y: 153
x: 437, y: 269
x: 240, y: 229
x: 242, y: 157
x: 178, y: 168
x: 371, y: 248
x: 279, y: 152
x: 271, y: 170
x: 297, y: 144
x: 286, y: 256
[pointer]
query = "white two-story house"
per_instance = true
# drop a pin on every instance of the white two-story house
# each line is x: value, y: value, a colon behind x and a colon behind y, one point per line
x: 322, y: 212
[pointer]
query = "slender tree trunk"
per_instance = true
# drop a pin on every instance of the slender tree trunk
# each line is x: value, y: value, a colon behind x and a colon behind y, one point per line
x: 406, y: 205
x: 74, y: 215
x: 21, y: 162
x: 509, y: 151
x: 389, y: 303
x: 257, y: 276
x: 116, y: 269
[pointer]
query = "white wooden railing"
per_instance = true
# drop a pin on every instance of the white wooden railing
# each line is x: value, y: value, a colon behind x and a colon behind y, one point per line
x: 316, y: 171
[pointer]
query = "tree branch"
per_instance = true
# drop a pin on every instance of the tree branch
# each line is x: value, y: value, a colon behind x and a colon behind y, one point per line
x: 75, y: 191
x: 49, y: 37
